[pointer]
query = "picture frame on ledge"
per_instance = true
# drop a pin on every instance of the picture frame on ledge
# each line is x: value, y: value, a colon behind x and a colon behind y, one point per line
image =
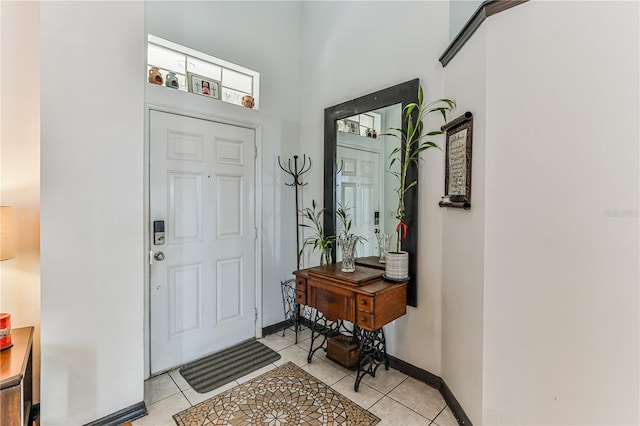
x: 352, y: 126
x: 203, y: 86
x: 457, y: 178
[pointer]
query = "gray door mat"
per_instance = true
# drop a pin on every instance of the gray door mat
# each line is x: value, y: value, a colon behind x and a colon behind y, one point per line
x: 213, y: 371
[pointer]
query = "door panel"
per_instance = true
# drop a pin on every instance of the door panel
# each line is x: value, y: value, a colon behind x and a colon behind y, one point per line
x: 359, y: 189
x: 202, y: 176
x: 229, y: 206
x: 230, y: 289
x: 185, y: 308
x: 185, y: 207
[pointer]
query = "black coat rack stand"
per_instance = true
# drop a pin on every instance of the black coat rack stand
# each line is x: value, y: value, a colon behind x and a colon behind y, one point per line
x: 296, y: 173
x: 291, y: 307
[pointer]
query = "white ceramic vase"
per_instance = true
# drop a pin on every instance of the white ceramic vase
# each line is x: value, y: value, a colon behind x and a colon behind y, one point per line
x: 397, y: 266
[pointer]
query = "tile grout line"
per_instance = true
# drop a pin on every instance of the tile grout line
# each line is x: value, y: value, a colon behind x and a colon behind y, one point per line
x: 180, y: 389
x: 409, y: 408
x: 434, y: 420
x: 421, y: 415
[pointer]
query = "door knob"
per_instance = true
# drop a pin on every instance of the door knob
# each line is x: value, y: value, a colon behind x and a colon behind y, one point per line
x: 158, y: 255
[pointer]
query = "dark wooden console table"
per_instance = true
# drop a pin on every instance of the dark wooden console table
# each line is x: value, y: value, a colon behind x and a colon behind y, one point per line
x: 16, y: 379
x: 362, y: 298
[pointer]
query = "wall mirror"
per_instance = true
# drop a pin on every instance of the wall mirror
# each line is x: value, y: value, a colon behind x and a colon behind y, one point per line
x: 356, y: 160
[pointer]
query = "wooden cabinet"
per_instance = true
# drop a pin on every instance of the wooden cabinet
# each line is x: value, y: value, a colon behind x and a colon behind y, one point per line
x: 362, y: 297
x: 16, y: 379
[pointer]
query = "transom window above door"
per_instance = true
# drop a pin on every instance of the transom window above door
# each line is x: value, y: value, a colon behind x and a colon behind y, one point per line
x: 235, y: 81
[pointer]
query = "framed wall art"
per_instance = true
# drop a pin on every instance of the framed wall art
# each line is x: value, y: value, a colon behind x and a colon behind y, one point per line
x: 203, y: 85
x: 457, y: 178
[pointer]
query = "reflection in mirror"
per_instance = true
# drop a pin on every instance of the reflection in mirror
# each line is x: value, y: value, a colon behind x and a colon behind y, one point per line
x: 356, y: 164
x: 362, y: 182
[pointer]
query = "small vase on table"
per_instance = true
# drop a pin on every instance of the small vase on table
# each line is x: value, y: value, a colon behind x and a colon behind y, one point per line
x: 383, y: 246
x: 347, y: 246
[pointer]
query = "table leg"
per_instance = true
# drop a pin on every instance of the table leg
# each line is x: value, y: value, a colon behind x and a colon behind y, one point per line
x: 318, y: 334
x: 373, y: 353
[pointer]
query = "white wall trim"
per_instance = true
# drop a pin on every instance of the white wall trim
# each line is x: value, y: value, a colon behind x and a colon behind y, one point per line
x: 258, y: 212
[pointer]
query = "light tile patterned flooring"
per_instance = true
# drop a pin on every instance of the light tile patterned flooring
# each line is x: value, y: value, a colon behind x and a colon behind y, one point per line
x: 398, y: 400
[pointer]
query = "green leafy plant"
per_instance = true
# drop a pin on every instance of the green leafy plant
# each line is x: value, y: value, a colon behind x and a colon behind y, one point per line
x: 343, y: 216
x: 413, y: 142
x: 319, y: 241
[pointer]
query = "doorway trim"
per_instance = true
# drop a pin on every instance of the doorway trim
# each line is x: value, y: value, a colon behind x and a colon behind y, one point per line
x: 257, y: 128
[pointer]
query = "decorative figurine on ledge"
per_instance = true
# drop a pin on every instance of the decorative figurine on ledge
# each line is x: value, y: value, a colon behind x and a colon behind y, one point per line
x: 172, y: 81
x: 248, y: 101
x: 154, y: 76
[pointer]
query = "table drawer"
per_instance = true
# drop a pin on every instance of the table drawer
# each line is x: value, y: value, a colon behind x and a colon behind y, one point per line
x: 301, y: 284
x: 366, y: 320
x: 365, y: 303
x: 301, y: 297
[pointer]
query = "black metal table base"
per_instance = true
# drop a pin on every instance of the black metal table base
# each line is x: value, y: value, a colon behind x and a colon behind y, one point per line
x: 291, y: 308
x: 372, y: 344
x: 373, y: 353
x: 321, y: 330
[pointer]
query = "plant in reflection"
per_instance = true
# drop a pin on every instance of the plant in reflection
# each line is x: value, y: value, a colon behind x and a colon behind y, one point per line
x: 346, y: 240
x: 413, y: 142
x: 343, y: 216
x: 318, y: 240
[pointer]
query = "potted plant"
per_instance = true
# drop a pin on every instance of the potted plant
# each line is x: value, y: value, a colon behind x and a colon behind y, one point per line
x: 347, y: 241
x: 413, y: 142
x: 319, y: 241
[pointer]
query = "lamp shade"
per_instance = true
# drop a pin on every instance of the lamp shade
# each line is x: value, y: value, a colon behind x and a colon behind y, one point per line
x: 6, y: 233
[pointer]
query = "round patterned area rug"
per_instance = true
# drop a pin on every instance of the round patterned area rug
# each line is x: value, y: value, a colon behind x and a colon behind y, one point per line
x: 284, y: 396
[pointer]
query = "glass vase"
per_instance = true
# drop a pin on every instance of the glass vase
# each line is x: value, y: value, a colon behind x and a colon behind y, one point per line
x: 383, y: 246
x: 325, y: 257
x: 348, y: 250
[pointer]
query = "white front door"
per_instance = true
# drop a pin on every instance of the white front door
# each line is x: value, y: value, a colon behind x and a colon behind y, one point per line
x: 202, y: 186
x: 359, y: 190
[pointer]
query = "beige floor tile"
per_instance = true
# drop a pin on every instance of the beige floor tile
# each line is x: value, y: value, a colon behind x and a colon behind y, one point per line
x: 256, y: 373
x: 161, y: 412
x: 365, y: 397
x: 392, y: 413
x: 275, y: 341
x: 158, y: 388
x: 385, y: 380
x: 324, y: 372
x: 290, y: 335
x: 180, y: 381
x: 334, y: 364
x: 306, y: 344
x: 446, y: 418
x: 195, y: 398
x: 294, y: 354
x: 420, y: 397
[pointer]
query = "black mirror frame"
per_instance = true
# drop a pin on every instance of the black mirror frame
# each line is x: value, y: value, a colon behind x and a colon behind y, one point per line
x: 404, y: 93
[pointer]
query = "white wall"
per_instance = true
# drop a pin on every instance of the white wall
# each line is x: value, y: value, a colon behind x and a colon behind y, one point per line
x: 354, y: 48
x: 540, y: 325
x: 460, y: 11
x: 20, y: 167
x: 92, y: 63
x: 463, y: 241
x: 561, y: 253
x: 263, y: 36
